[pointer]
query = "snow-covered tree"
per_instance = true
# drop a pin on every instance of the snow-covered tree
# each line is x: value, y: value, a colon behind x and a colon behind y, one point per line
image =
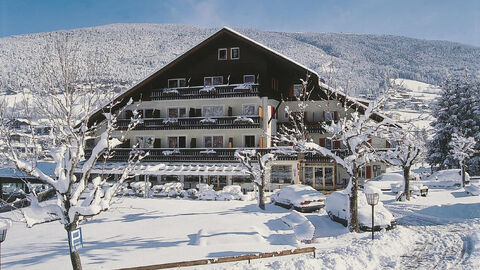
x: 67, y: 107
x: 354, y: 131
x: 457, y: 110
x: 405, y: 154
x: 462, y: 148
x: 257, y: 170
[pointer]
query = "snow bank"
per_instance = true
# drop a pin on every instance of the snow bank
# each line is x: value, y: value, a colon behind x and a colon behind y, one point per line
x: 300, y: 225
x: 474, y: 190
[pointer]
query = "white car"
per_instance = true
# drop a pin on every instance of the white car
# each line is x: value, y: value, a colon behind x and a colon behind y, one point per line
x: 301, y: 197
x: 473, y: 189
x: 385, y: 181
x: 337, y: 205
x: 416, y: 188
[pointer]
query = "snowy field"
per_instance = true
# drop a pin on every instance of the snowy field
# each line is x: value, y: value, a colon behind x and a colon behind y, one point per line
x: 437, y: 232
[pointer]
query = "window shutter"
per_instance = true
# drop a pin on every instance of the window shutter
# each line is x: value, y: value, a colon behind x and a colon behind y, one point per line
x: 128, y: 114
x: 230, y: 142
x: 305, y: 119
x: 291, y: 94
x: 336, y: 144
x: 272, y: 112
x: 370, y: 141
x: 191, y: 112
x: 335, y: 115
x: 387, y: 144
x: 181, y: 142
x: 157, y: 143
x: 230, y: 111
x: 323, y: 114
x: 322, y: 142
x: 193, y: 143
x: 156, y: 113
x: 368, y: 173
x: 198, y: 112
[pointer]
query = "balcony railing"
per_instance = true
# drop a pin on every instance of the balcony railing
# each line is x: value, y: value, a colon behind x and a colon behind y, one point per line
x: 220, y: 122
x: 197, y: 92
x: 313, y: 127
x: 200, y: 154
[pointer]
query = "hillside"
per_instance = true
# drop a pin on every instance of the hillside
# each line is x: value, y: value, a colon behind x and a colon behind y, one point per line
x: 128, y: 52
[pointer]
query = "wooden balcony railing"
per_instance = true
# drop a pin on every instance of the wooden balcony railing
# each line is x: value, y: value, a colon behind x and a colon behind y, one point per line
x: 221, y: 122
x: 196, y: 92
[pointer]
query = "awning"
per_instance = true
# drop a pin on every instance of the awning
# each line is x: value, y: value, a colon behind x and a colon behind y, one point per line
x: 154, y: 168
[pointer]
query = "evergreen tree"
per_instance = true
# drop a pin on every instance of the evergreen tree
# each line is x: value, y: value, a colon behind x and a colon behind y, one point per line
x: 456, y: 111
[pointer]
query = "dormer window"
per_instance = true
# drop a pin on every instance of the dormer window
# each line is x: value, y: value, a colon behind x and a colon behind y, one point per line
x: 235, y: 53
x: 178, y: 82
x: 222, y: 54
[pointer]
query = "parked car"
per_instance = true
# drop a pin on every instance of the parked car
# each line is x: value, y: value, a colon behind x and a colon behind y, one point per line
x: 384, y: 181
x: 416, y: 188
x: 300, y: 197
x: 337, y: 205
x: 473, y: 189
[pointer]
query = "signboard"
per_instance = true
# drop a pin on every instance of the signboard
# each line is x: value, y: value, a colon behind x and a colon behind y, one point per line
x: 75, y: 239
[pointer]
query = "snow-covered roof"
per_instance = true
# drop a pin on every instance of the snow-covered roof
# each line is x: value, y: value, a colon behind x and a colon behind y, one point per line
x: 174, y: 168
x: 46, y: 167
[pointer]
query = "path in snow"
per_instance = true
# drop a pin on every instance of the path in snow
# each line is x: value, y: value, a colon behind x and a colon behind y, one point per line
x: 442, y: 242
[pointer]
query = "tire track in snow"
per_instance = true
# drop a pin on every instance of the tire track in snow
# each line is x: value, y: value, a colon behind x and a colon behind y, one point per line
x: 439, y: 245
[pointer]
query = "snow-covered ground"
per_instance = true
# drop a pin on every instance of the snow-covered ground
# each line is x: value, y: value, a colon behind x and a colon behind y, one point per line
x: 437, y: 232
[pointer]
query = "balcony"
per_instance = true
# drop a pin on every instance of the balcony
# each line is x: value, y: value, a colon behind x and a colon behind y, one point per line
x: 199, y: 92
x: 219, y: 122
x: 199, y: 154
x: 312, y: 127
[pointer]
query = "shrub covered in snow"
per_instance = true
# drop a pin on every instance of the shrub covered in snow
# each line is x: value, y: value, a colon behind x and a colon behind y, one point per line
x: 229, y: 193
x: 139, y: 187
x: 172, y: 189
x: 337, y: 204
x: 301, y: 226
x: 206, y: 192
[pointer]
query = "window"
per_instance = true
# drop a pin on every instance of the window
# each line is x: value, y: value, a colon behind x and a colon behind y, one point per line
x: 249, y: 141
x: 297, y: 89
x: 174, y: 83
x: 248, y: 109
x: 281, y: 174
x: 362, y: 172
x: 235, y: 53
x: 377, y: 170
x: 176, y: 142
x: 213, y: 141
x: 177, y: 112
x: 328, y: 144
x: 145, y: 142
x: 222, y: 54
x: 216, y: 110
x: 249, y: 79
x: 328, y: 116
x: 274, y: 84
x: 215, y: 80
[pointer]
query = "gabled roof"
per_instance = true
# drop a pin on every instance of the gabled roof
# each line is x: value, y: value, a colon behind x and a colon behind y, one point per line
x: 121, y: 98
x: 224, y: 30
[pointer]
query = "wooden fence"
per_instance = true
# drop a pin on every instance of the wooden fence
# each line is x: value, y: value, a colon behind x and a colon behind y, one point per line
x: 247, y: 257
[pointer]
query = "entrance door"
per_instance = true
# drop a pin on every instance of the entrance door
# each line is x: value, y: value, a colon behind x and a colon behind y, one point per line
x: 308, y: 176
x: 319, y: 177
x: 329, y: 177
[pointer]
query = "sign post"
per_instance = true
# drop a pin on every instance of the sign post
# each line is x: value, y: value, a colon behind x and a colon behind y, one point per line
x: 75, y: 239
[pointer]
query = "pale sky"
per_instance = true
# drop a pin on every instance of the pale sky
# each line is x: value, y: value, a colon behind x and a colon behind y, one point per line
x: 433, y: 19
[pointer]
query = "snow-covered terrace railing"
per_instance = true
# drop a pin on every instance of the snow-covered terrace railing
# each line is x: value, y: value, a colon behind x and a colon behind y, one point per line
x: 197, y: 92
x: 221, y: 122
x: 313, y: 127
x: 199, y: 154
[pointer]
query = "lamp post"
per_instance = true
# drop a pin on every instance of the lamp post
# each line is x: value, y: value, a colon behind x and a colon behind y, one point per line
x: 372, y: 199
x: 3, y: 234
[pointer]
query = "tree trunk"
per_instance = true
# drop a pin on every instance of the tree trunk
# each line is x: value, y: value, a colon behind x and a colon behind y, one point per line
x: 261, y: 196
x: 463, y: 174
x: 406, y: 178
x: 74, y: 255
x: 354, y: 203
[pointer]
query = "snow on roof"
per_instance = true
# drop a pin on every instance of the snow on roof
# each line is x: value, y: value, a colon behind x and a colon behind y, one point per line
x: 46, y: 167
x: 155, y: 168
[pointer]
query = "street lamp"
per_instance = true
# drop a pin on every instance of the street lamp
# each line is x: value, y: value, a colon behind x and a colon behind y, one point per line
x: 3, y: 234
x: 372, y: 199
